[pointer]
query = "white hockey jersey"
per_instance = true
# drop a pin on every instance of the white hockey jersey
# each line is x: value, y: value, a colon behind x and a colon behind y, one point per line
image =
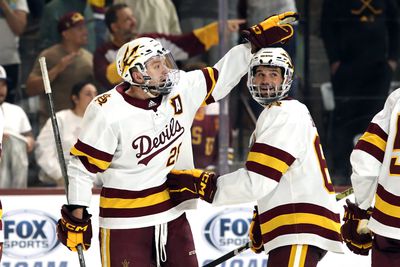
x: 376, y: 169
x: 133, y: 144
x: 286, y: 173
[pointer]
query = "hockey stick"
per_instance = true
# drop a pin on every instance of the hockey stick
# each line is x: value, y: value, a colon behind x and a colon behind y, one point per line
x: 246, y: 246
x: 57, y: 139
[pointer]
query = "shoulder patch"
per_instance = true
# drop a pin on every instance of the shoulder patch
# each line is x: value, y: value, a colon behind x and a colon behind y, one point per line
x: 102, y: 99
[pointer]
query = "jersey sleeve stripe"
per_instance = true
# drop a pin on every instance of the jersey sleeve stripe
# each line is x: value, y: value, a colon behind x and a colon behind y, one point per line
x: 273, y: 152
x: 387, y: 202
x: 93, y: 152
x: 94, y: 160
x: 211, y: 76
x: 374, y: 128
x: 371, y: 149
x: 91, y: 164
x: 374, y: 139
x: 269, y: 161
x: 263, y: 170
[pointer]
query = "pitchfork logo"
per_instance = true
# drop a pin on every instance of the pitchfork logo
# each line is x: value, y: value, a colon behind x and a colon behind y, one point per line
x: 228, y: 229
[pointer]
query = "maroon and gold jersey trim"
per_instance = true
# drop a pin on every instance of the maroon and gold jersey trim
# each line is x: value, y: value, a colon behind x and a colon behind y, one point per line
x: 268, y: 161
x: 211, y: 76
x: 93, y: 159
x: 373, y: 141
x: 386, y: 210
x: 126, y: 203
x: 297, y: 218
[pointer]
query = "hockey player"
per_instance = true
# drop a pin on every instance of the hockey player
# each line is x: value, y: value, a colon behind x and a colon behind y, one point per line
x: 131, y: 138
x: 375, y: 174
x: 285, y: 172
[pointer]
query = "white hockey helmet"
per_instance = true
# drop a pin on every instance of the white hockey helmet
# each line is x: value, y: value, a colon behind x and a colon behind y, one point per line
x: 273, y: 57
x: 138, y: 54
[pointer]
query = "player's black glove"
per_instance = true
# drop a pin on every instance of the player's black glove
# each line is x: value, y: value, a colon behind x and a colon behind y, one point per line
x: 272, y: 30
x: 354, y: 232
x: 191, y: 184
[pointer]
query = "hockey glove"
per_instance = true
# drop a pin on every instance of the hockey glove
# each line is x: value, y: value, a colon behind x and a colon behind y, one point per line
x: 72, y: 231
x: 255, y: 233
x: 354, y: 231
x: 272, y: 30
x: 191, y: 184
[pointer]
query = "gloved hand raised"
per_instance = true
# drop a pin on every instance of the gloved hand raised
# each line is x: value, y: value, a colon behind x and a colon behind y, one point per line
x: 72, y: 231
x: 272, y: 30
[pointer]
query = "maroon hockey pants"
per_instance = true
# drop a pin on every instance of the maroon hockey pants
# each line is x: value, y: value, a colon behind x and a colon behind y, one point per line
x: 385, y: 252
x: 136, y: 247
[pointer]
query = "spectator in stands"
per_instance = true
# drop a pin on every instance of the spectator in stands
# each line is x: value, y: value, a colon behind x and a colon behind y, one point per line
x: 68, y: 62
x: 361, y: 39
x: 13, y: 18
x: 154, y: 16
x: 18, y: 141
x: 122, y: 26
x: 53, y: 11
x: 69, y: 121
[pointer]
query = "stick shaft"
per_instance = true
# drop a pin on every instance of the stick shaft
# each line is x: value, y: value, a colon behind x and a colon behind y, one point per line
x: 229, y: 255
x: 57, y: 139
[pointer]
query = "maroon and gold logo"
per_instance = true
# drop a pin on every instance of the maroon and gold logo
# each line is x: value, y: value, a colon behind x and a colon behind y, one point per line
x: 102, y: 99
x: 129, y: 56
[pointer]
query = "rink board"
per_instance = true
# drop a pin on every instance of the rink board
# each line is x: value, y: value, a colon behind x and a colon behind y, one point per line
x: 30, y: 239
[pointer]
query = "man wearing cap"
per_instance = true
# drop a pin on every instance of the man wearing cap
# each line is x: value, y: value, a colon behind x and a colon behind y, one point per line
x: 53, y: 11
x: 68, y: 63
x: 17, y: 141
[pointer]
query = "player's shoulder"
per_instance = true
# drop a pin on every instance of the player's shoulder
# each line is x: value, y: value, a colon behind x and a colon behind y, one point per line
x: 285, y: 111
x: 107, y: 101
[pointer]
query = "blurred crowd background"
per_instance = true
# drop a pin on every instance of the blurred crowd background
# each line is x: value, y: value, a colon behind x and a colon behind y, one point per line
x: 346, y: 56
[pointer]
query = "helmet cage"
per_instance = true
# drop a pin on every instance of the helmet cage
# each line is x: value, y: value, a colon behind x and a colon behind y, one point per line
x: 139, y: 52
x: 270, y: 57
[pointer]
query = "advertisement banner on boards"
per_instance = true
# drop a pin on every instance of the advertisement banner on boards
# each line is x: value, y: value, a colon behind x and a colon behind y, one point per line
x: 29, y: 223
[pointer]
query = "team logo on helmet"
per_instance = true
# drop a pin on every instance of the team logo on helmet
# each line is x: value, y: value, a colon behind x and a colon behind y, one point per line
x: 129, y: 57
